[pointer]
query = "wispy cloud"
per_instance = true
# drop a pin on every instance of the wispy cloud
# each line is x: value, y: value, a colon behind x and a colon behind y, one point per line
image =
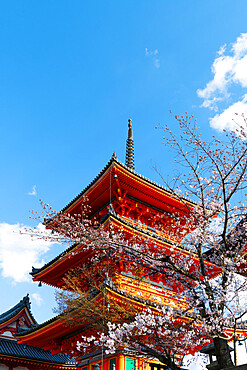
x: 154, y: 55
x: 19, y: 252
x: 37, y: 299
x: 34, y: 191
x: 229, y: 71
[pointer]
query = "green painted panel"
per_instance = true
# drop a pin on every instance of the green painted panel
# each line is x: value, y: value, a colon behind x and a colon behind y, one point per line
x: 84, y: 368
x: 130, y: 364
x: 113, y: 364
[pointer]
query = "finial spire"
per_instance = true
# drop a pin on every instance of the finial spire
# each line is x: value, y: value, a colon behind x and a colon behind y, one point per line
x: 129, y: 157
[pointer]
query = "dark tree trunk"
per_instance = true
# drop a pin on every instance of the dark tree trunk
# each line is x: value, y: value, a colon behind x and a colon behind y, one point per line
x: 222, y: 353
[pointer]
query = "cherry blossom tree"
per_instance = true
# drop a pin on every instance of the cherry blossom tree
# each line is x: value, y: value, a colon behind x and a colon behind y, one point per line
x: 210, y: 271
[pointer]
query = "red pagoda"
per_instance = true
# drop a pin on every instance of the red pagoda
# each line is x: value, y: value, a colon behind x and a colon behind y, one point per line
x: 139, y: 209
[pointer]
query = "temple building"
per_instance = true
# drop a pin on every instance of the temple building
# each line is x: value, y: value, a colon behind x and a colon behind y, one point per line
x: 14, y: 355
x: 124, y: 203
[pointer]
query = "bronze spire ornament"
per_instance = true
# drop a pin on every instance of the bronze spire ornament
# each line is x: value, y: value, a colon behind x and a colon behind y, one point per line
x: 129, y: 157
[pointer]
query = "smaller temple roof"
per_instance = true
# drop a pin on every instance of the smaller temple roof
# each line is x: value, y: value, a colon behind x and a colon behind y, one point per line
x: 22, y: 353
x: 12, y: 348
x: 12, y: 312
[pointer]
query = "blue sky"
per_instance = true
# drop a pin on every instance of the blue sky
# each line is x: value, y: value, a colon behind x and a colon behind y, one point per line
x: 72, y: 73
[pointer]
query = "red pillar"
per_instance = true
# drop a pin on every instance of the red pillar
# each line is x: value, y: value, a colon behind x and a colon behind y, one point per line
x: 120, y: 362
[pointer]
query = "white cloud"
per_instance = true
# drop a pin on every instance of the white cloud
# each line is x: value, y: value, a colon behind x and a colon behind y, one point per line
x: 34, y: 191
x: 19, y: 252
x: 154, y: 55
x: 221, y: 50
x: 228, y: 69
x: 228, y: 118
x: 37, y: 299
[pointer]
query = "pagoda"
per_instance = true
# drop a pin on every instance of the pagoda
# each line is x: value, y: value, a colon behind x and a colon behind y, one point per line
x: 123, y: 202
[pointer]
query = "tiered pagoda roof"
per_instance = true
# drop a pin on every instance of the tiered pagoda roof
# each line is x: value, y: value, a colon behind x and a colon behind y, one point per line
x: 125, y: 199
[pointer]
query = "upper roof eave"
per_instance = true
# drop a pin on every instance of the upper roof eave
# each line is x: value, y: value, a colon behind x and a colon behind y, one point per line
x: 132, y: 171
x: 36, y: 271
